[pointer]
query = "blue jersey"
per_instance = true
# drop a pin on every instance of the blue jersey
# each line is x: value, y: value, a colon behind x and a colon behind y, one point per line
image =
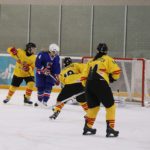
x: 45, y: 60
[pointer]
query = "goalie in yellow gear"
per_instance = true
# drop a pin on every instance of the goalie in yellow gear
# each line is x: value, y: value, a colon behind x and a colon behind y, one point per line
x: 24, y: 70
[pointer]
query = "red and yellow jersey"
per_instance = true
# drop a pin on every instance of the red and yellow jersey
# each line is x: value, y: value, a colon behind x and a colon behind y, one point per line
x: 105, y: 65
x: 22, y: 59
x: 72, y: 73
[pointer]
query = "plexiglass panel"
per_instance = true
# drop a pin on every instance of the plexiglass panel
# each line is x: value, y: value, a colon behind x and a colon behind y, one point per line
x: 109, y: 28
x: 75, y: 31
x: 13, y: 26
x: 44, y: 25
x: 138, y: 32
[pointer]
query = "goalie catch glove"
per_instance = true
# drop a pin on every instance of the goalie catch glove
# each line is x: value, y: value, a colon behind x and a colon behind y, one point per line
x: 111, y: 79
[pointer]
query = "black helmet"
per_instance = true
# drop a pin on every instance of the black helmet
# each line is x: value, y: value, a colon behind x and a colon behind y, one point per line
x: 102, y: 48
x: 28, y: 48
x: 67, y: 61
x: 30, y: 45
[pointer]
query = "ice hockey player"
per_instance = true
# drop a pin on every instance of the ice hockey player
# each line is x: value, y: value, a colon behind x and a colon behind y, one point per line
x: 100, y: 71
x: 70, y: 78
x: 24, y: 70
x: 47, y: 71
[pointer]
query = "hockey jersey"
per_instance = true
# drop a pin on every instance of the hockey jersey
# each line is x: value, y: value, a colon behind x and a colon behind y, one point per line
x: 106, y: 65
x: 72, y: 73
x: 22, y: 59
x: 45, y: 60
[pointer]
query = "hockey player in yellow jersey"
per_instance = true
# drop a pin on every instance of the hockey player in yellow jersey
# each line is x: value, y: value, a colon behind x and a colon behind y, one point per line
x: 100, y: 71
x: 24, y: 70
x: 70, y: 77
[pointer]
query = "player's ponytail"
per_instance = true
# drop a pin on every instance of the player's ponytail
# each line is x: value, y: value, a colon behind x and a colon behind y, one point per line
x: 98, y: 55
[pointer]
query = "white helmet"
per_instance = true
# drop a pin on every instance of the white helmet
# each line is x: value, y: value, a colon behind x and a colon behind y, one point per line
x: 54, y: 47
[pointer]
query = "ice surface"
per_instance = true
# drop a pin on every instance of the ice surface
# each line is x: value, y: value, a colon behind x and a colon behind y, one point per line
x: 27, y: 128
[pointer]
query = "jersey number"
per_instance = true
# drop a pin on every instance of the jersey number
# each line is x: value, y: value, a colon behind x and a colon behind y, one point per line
x: 70, y: 72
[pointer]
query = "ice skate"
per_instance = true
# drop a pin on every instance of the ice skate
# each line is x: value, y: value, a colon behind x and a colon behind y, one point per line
x: 88, y: 131
x: 27, y: 101
x: 5, y: 101
x: 110, y: 132
x: 55, y: 115
x: 40, y: 104
x: 45, y: 104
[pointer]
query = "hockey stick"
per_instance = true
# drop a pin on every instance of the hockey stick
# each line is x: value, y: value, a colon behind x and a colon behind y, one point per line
x: 53, y: 77
x: 66, y: 100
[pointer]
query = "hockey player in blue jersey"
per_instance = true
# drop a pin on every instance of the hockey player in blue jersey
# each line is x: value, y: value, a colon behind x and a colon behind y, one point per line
x: 47, y: 71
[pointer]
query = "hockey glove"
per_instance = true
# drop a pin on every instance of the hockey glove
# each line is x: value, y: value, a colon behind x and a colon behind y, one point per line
x: 25, y: 67
x: 14, y: 51
x: 111, y: 79
x: 46, y: 71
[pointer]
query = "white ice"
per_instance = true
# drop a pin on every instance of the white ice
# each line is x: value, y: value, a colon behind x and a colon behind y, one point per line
x: 28, y: 128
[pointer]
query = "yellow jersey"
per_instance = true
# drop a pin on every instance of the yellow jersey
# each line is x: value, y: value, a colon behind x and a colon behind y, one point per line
x: 72, y: 73
x: 22, y: 59
x: 105, y: 65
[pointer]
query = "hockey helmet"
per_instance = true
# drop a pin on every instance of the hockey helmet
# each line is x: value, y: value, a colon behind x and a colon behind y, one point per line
x: 30, y: 45
x: 102, y: 48
x: 54, y: 48
x: 67, y: 61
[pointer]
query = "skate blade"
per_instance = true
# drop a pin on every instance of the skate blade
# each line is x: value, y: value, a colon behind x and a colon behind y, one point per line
x: 89, y: 133
x: 52, y: 118
x: 112, y: 135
